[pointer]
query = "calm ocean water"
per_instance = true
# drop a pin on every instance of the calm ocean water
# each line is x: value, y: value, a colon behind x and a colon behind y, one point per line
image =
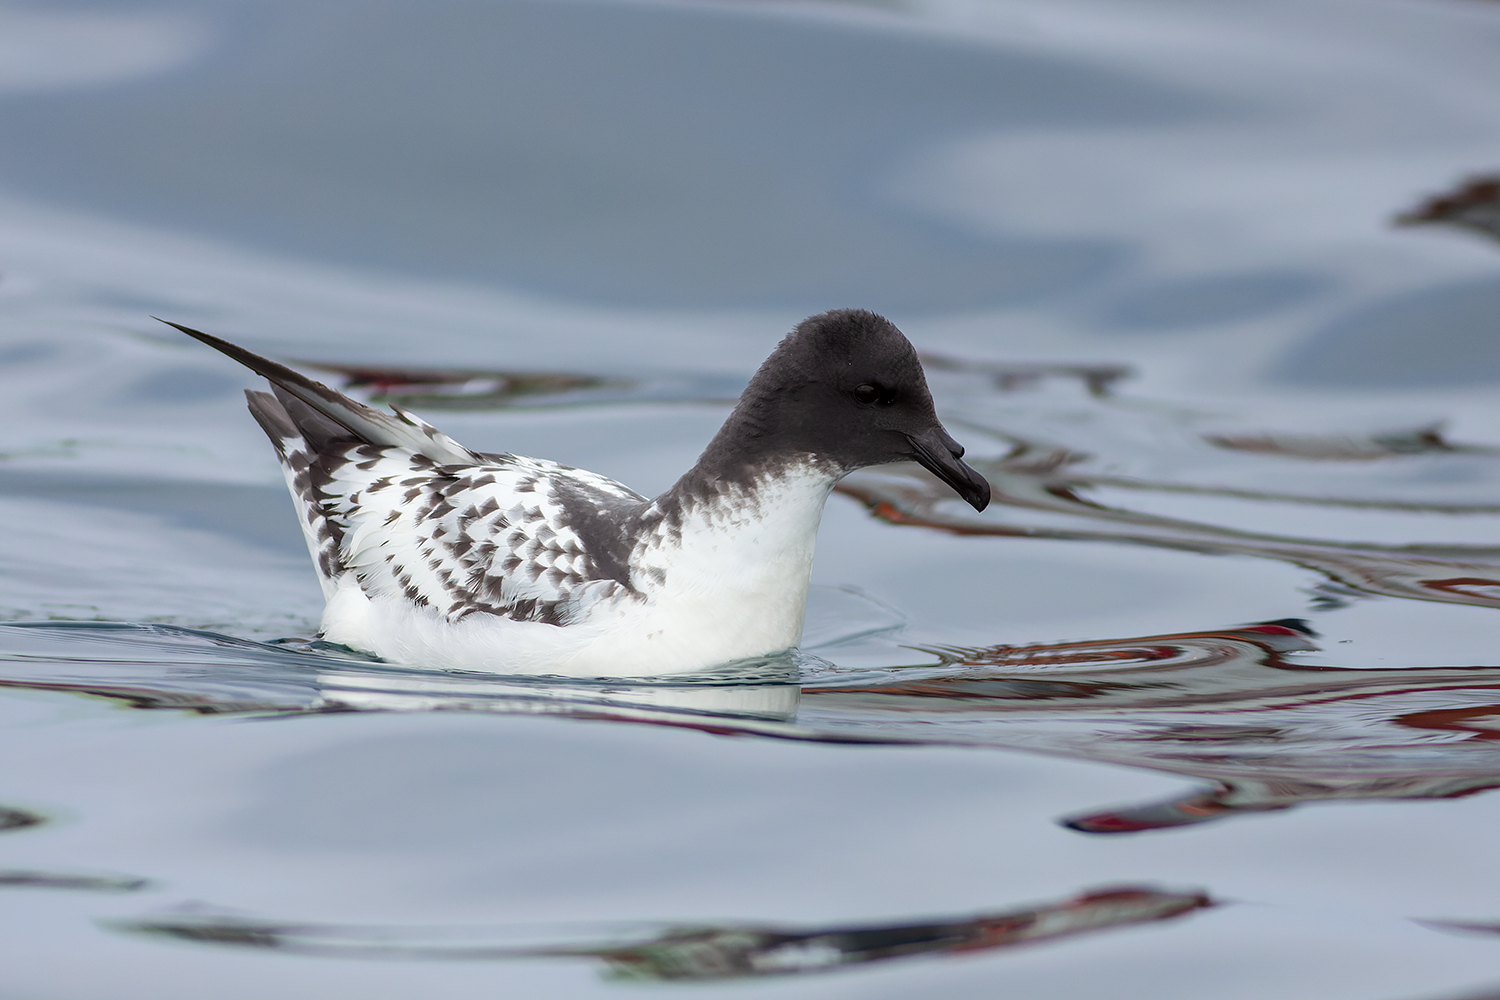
x: 1205, y: 704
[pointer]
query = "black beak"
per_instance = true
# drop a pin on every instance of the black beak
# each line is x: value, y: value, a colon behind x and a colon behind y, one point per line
x: 939, y: 454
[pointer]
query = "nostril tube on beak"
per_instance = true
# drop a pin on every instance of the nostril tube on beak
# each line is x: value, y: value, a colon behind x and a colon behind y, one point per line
x: 939, y: 454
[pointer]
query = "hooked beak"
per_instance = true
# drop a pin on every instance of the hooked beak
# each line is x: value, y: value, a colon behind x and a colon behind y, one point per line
x: 939, y: 454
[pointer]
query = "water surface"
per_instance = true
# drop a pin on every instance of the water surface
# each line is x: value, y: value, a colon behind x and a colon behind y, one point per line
x: 1206, y: 703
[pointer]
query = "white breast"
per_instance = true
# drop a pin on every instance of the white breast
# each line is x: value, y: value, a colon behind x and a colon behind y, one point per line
x: 727, y: 581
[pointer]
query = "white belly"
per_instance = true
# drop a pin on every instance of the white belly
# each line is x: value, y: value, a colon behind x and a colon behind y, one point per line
x: 733, y: 584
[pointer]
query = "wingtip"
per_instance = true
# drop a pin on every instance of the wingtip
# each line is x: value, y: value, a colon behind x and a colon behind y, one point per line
x: 364, y: 422
x: 178, y: 326
x: 207, y: 338
x: 264, y: 367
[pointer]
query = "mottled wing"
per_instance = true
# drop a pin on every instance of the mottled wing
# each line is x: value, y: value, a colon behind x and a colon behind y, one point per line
x: 518, y: 537
x: 306, y: 470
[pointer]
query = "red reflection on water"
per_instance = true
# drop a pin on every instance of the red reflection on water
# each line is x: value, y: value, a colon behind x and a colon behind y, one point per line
x: 1475, y: 589
x: 1226, y: 706
x: 455, y: 388
x: 1482, y: 723
x: 1161, y: 816
x: 1473, y: 205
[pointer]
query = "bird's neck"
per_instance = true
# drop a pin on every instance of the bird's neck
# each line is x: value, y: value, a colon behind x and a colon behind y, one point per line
x: 762, y: 437
x: 758, y: 488
x: 736, y: 554
x: 773, y: 498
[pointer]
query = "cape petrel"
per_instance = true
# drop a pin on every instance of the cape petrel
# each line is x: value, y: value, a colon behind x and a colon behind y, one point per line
x: 434, y: 555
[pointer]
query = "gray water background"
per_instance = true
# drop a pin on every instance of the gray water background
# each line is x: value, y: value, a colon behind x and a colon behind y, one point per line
x: 653, y: 193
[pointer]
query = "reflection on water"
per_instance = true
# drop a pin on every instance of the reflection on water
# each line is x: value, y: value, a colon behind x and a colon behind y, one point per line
x: 1488, y: 994
x: 1231, y: 708
x: 1224, y: 706
x: 18, y: 819
x: 704, y: 952
x: 1035, y: 478
x: 60, y: 880
x: 1474, y: 205
x: 166, y: 667
x: 1007, y: 376
x: 1349, y: 448
x: 1228, y: 706
x: 1143, y: 247
x: 444, y: 388
x: 476, y: 389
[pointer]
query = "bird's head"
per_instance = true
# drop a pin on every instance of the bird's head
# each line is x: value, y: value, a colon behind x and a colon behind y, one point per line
x: 847, y: 388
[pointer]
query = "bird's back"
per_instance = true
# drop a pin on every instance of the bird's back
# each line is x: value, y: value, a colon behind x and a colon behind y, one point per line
x: 491, y: 536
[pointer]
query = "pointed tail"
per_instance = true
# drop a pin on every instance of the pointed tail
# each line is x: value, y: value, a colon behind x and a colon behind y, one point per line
x: 402, y: 430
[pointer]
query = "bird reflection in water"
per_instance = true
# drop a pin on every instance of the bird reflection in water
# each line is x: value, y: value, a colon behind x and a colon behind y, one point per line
x: 702, y: 952
x: 1229, y: 707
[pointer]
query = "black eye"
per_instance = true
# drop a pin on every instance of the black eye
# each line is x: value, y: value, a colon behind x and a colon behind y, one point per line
x: 867, y: 393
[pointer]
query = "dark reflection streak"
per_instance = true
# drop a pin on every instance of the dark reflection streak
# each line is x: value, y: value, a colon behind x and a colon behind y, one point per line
x: 1424, y: 440
x: 81, y: 883
x: 18, y: 819
x: 1224, y: 706
x: 1488, y: 994
x: 465, y: 389
x: 701, y: 952
x: 1415, y: 507
x: 1488, y: 928
x: 905, y: 495
x: 1031, y: 482
x: 149, y: 698
x: 1474, y: 205
x: 396, y: 380
x: 1008, y: 376
x: 1041, y: 461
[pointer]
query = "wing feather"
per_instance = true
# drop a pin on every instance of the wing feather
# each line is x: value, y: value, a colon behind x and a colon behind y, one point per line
x: 478, y: 538
x: 416, y: 516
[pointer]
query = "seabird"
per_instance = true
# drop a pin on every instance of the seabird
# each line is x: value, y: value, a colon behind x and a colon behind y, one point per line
x: 434, y: 555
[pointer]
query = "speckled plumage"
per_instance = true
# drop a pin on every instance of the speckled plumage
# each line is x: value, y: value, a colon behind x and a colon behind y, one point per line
x: 486, y: 537
x: 433, y: 554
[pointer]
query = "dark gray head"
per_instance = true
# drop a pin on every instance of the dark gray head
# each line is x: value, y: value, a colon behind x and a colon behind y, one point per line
x: 846, y: 388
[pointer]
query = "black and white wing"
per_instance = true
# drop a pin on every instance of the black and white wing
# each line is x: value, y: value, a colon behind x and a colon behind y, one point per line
x: 516, y: 537
x: 414, y: 515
